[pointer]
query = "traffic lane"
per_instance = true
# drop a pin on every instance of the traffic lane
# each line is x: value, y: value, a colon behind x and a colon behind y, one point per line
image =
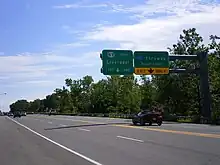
x: 101, y: 138
x: 52, y: 123
x: 89, y: 119
x: 183, y: 140
x: 131, y: 151
x: 20, y: 146
x: 197, y: 128
x: 98, y: 148
x: 199, y: 143
x: 76, y: 123
x: 200, y: 128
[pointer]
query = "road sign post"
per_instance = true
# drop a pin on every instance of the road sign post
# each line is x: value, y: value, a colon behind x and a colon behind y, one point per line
x: 151, y: 62
x: 117, y: 62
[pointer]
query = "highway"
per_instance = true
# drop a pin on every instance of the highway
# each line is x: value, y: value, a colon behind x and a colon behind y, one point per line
x: 64, y: 140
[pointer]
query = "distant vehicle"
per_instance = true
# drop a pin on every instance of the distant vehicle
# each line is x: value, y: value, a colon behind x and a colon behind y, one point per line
x: 17, y: 114
x: 149, y: 117
x: 10, y: 114
x: 30, y: 113
x: 23, y: 114
x: 52, y: 112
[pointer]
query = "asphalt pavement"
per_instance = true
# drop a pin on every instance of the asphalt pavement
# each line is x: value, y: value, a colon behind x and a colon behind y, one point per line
x: 19, y: 146
x: 93, y: 140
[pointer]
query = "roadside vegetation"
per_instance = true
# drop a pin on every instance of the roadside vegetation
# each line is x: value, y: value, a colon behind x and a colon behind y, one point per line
x: 121, y: 96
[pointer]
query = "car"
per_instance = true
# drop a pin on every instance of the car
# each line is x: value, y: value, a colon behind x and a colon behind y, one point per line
x: 9, y: 114
x: 17, y: 114
x: 23, y: 114
x: 147, y: 116
x: 52, y: 112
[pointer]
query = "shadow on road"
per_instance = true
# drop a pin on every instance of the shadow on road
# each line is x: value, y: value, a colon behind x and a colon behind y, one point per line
x: 84, y: 125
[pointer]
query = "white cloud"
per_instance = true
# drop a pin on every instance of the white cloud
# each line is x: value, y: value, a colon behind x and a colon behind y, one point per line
x: 34, y: 75
x: 80, y: 5
x: 74, y: 45
x: 29, y: 67
x: 157, y: 32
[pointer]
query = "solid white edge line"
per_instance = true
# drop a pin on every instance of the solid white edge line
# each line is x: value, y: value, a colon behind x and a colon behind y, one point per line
x: 60, y: 145
x: 137, y: 140
x: 82, y: 129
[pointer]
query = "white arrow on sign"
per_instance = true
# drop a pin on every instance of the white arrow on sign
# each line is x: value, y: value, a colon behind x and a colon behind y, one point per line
x: 117, y: 70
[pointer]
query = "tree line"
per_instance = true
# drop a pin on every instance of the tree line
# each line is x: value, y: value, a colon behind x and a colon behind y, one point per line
x: 175, y: 93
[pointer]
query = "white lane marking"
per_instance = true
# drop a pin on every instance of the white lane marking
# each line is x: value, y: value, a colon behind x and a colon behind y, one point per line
x: 137, y: 140
x: 83, y: 129
x: 50, y: 122
x: 62, y: 125
x: 60, y: 145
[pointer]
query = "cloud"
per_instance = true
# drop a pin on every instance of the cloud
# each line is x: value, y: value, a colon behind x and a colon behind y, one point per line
x: 80, y: 5
x: 35, y: 75
x: 28, y: 67
x: 157, y: 31
x: 74, y: 45
x: 2, y: 53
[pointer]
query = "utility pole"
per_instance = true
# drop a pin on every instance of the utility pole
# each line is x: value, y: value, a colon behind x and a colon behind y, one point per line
x: 1, y: 104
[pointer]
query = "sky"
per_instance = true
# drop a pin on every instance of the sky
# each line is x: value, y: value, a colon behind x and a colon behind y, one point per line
x: 43, y: 42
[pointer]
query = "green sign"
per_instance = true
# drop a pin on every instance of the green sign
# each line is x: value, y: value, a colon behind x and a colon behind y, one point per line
x: 117, y: 62
x: 151, y: 59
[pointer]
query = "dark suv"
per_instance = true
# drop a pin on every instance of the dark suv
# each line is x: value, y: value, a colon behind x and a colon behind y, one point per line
x: 17, y: 114
x: 149, y: 117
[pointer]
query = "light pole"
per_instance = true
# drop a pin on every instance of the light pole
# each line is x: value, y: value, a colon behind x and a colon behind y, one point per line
x: 1, y: 104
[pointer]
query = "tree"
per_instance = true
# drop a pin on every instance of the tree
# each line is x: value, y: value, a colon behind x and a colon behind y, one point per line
x: 51, y: 101
x: 147, y: 92
x: 181, y: 90
x: 34, y: 106
x: 214, y: 70
x: 19, y: 105
x: 65, y: 103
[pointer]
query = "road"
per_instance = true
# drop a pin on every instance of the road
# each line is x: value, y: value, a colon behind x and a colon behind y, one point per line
x: 38, y: 139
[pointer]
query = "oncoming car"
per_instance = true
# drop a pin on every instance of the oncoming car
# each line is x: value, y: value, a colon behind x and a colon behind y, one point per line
x: 149, y: 117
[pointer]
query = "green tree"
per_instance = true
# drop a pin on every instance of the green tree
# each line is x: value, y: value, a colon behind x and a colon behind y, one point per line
x: 214, y: 70
x: 51, y: 101
x: 181, y: 90
x: 19, y: 105
x: 34, y: 106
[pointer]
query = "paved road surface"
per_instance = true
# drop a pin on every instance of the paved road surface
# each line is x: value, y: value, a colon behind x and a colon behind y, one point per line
x: 107, y: 141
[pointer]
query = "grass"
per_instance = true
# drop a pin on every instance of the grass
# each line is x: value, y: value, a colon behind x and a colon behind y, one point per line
x: 186, y: 120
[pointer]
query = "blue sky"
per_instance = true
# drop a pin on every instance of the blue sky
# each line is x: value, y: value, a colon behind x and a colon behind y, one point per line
x: 44, y: 42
